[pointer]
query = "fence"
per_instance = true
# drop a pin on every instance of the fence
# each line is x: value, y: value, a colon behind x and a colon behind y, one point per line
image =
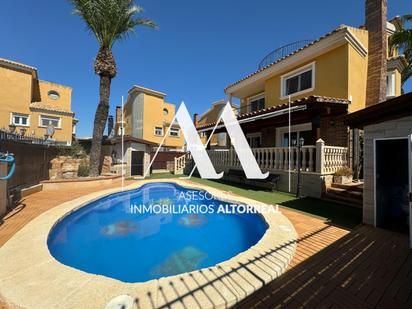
x: 9, y: 136
x: 165, y: 160
x: 32, y: 161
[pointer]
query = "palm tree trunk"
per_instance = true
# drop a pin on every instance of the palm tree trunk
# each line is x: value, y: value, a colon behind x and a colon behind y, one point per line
x: 100, y: 119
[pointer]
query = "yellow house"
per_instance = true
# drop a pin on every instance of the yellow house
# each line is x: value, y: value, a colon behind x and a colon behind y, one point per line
x: 32, y: 107
x: 211, y: 116
x: 147, y: 116
x: 322, y: 80
x: 335, y: 65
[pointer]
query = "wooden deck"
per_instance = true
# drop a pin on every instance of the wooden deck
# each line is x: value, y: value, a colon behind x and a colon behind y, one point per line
x: 332, y: 267
x: 367, y: 268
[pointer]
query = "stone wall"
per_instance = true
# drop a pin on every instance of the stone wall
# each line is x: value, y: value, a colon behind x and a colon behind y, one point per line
x: 65, y: 167
x: 107, y: 165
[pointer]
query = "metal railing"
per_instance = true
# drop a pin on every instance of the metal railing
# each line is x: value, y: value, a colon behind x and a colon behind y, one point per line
x: 281, y: 52
x: 9, y: 136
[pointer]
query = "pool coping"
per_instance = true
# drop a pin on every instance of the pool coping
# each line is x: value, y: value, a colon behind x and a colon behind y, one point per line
x: 30, y: 277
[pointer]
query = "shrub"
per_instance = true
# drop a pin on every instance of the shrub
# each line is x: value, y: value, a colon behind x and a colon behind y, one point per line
x: 75, y: 150
x: 344, y: 171
x: 83, y: 171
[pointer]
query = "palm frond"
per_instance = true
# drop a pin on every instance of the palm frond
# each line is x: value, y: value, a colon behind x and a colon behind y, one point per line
x: 401, y: 40
x: 110, y: 20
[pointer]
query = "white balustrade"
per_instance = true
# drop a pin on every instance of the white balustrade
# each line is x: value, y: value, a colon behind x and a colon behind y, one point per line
x: 320, y: 158
x: 334, y: 158
x: 273, y: 158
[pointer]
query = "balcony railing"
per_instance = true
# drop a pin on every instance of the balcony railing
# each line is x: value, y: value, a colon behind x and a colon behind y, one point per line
x: 317, y: 158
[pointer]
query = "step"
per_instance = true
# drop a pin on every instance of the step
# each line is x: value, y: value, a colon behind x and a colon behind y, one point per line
x: 342, y: 202
x: 355, y: 186
x: 345, y: 193
x: 349, y: 195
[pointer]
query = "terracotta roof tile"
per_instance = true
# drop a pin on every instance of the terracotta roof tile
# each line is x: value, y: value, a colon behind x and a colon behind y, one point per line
x: 6, y: 61
x: 289, y: 55
x: 39, y: 105
x: 310, y: 99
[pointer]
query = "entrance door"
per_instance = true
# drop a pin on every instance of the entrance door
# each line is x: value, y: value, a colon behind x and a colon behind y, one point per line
x: 392, y: 184
x: 137, y: 163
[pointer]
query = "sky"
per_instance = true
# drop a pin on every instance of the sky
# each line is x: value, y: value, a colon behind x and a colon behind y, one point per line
x: 200, y: 47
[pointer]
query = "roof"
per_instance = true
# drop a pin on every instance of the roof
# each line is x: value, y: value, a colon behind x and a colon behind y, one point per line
x: 346, y: 37
x: 18, y: 65
x: 395, y: 108
x: 41, y: 106
x: 214, y: 104
x: 303, y: 101
x: 128, y: 138
x: 155, y: 93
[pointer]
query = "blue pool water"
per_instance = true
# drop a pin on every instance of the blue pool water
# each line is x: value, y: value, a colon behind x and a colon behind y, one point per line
x: 107, y: 238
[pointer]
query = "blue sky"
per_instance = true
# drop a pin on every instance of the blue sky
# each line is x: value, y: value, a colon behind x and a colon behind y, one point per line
x: 200, y: 47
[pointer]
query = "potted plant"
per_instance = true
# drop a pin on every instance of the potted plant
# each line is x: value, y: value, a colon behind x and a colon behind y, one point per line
x: 343, y: 175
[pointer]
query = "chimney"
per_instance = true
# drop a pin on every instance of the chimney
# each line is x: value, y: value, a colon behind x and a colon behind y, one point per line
x: 196, y: 120
x: 118, y: 114
x: 376, y: 19
x: 110, y: 126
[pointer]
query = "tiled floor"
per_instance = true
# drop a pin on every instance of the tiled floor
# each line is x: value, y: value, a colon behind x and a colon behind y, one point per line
x: 332, y: 267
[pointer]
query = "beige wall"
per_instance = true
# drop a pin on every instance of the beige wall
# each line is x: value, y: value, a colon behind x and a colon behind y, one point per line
x: 18, y: 89
x: 388, y: 129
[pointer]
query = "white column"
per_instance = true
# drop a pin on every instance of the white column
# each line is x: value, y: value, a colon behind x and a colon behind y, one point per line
x: 320, y: 156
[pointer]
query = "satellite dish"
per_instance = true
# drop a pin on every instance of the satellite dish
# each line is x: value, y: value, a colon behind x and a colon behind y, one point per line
x: 50, y: 131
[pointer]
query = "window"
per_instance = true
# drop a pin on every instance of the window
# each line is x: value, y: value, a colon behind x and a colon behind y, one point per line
x: 165, y: 112
x: 46, y: 121
x: 296, y: 132
x: 256, y: 103
x: 54, y: 95
x: 175, y: 132
x: 254, y: 140
x: 20, y: 119
x: 298, y: 81
x: 390, y: 84
x: 158, y: 131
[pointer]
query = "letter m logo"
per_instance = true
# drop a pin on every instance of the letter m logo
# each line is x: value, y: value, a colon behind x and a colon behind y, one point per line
x: 199, y: 153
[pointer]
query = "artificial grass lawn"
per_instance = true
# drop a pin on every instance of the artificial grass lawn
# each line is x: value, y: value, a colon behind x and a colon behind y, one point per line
x: 344, y: 216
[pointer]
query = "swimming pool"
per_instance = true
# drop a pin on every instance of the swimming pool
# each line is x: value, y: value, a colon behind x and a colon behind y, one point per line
x: 107, y: 238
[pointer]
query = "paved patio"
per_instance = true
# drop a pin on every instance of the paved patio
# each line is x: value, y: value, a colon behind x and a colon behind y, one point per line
x: 332, y: 267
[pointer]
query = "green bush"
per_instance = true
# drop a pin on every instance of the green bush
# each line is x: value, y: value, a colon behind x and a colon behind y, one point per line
x: 344, y: 171
x: 75, y: 150
x: 83, y: 171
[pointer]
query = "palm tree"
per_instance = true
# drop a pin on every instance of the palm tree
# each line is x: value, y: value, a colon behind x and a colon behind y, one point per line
x: 109, y: 21
x: 402, y: 40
